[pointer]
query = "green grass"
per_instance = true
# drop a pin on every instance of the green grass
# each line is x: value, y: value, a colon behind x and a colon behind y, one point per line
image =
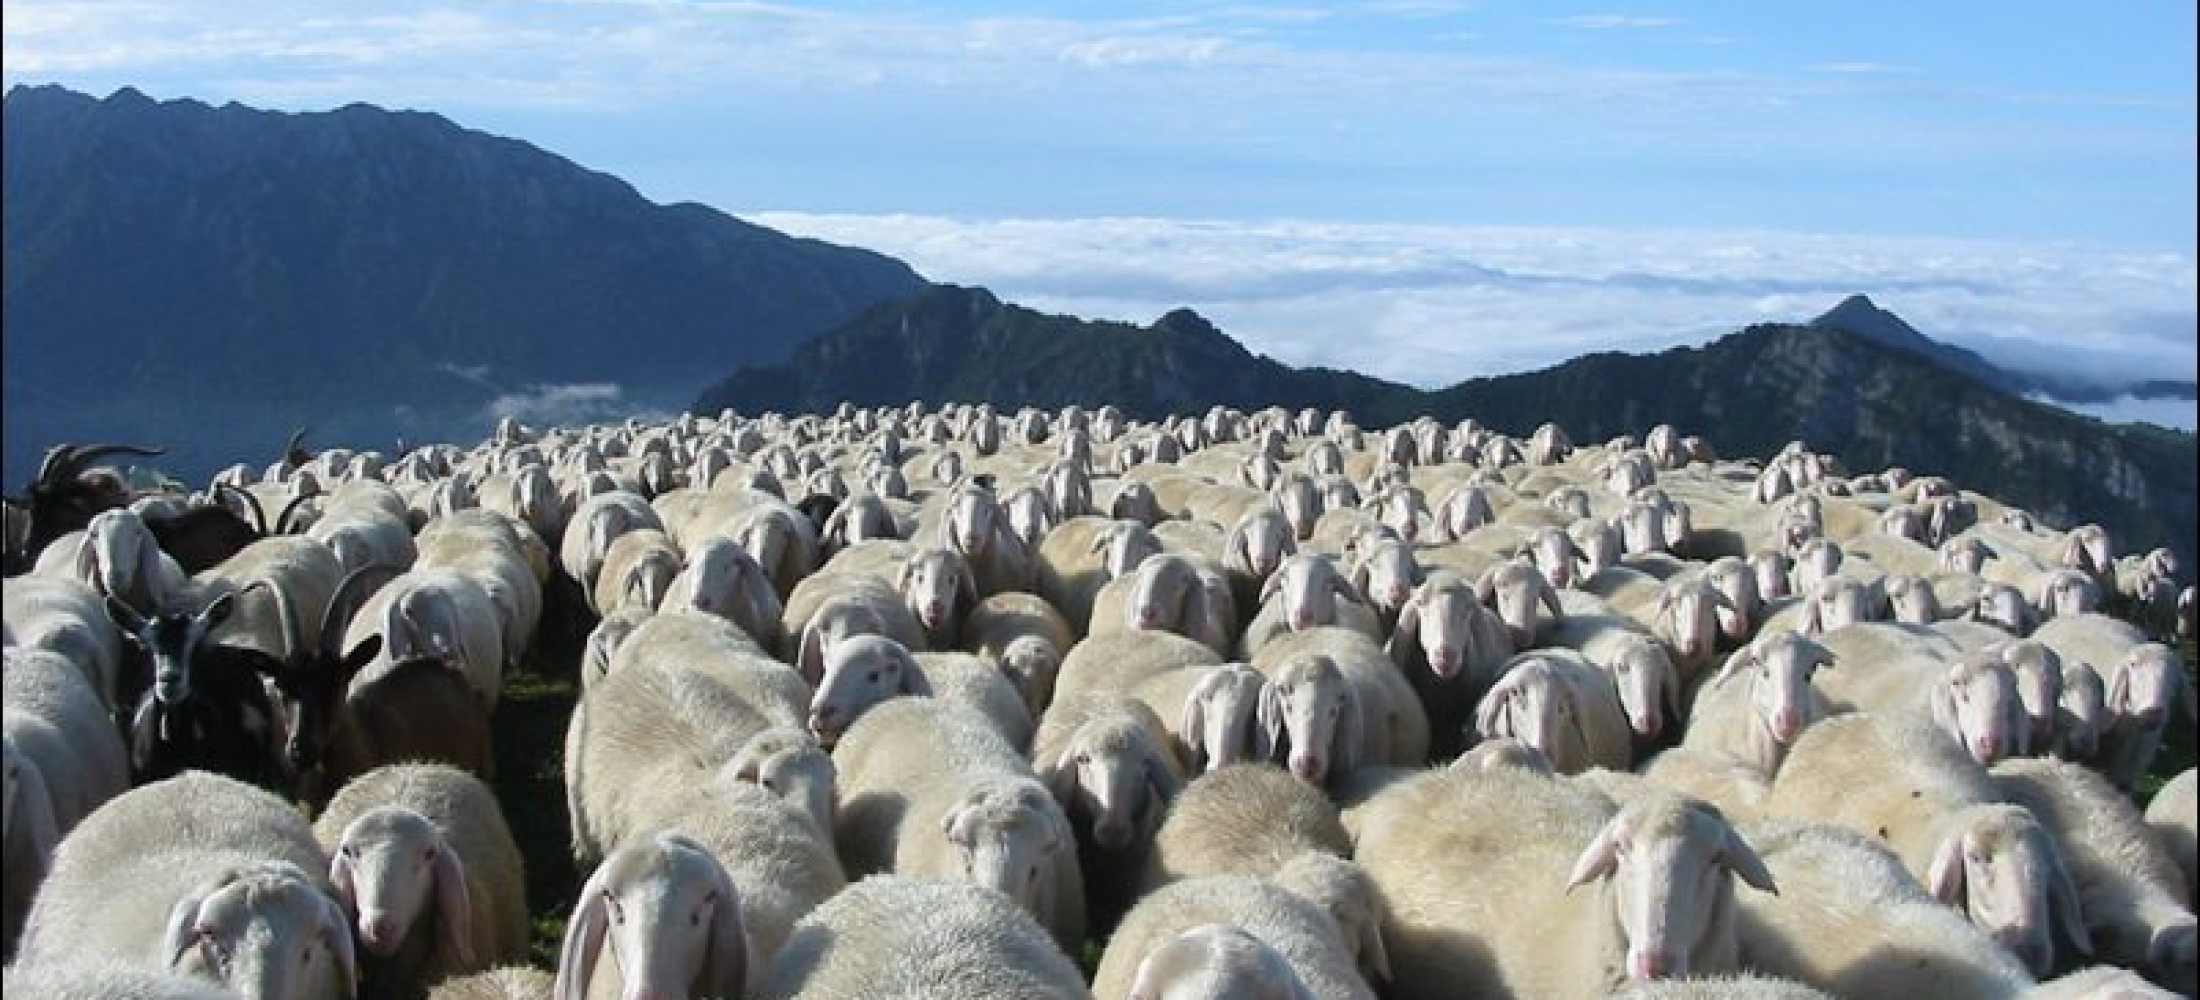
x: 530, y: 780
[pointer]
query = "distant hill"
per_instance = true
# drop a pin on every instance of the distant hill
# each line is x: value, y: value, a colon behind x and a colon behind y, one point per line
x: 950, y: 342
x: 1873, y: 403
x: 209, y: 277
x: 1859, y: 315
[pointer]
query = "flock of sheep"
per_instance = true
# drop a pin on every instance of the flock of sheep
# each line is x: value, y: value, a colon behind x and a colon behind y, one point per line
x: 917, y: 702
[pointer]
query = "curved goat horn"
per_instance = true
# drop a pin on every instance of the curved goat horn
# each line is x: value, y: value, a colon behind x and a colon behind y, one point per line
x: 65, y: 461
x: 295, y: 451
x: 252, y: 503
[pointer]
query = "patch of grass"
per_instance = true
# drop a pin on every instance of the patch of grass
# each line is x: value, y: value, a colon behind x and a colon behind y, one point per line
x: 530, y: 724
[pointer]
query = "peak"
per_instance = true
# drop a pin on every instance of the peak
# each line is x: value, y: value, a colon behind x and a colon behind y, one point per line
x: 128, y: 96
x: 1858, y: 314
x: 1186, y: 321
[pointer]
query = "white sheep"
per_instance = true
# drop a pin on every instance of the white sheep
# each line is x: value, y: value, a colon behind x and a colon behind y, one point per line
x: 1120, y: 661
x: 898, y: 936
x: 1660, y: 905
x: 1304, y: 592
x: 116, y: 555
x: 1300, y: 931
x: 1555, y: 700
x: 1450, y: 646
x: 2143, y: 687
x: 1170, y: 592
x: 684, y: 687
x: 107, y: 979
x: 672, y: 918
x: 594, y: 524
x: 1513, y: 589
x: 719, y: 577
x: 603, y: 641
x: 2172, y: 815
x: 1342, y: 703
x: 201, y: 874
x: 1850, y: 920
x: 1083, y: 553
x: 1213, y: 962
x: 1641, y: 668
x: 862, y: 672
x: 1106, y: 758
x: 1744, y: 986
x: 509, y: 561
x: 510, y: 982
x: 67, y: 617
x: 1760, y: 701
x: 64, y: 758
x: 929, y: 788
x: 638, y: 567
x: 1243, y: 819
x: 438, y: 612
x: 420, y: 853
x: 2130, y: 888
x: 1897, y: 778
x: 1025, y: 637
x: 1209, y: 712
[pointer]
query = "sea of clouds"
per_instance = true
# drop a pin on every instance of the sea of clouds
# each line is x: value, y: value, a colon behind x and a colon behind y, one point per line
x: 1432, y: 305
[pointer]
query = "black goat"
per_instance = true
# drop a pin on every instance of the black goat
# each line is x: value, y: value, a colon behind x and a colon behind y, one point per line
x: 206, y: 707
x: 203, y: 535
x: 63, y: 497
x: 415, y: 710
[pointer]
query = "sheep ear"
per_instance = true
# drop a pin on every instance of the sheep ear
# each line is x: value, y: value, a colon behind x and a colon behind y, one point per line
x: 340, y: 878
x: 913, y: 679
x: 335, y: 931
x: 1351, y: 588
x: 180, y: 933
x: 1944, y: 877
x: 966, y: 584
x: 810, y: 658
x: 1491, y: 710
x: 1271, y: 719
x: 1272, y: 585
x: 2119, y: 689
x: 1600, y: 858
x: 1735, y: 663
x: 1193, y: 722
x: 1348, y: 739
x: 726, y: 965
x: 584, y: 935
x: 454, y: 906
x: 1742, y: 860
x: 1060, y: 777
x: 30, y: 808
x: 2062, y: 896
x: 1374, y: 957
x: 1406, y: 633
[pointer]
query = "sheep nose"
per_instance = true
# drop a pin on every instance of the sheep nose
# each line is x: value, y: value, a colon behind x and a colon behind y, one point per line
x: 1787, y: 723
x: 1987, y: 748
x: 1112, y: 834
x: 1649, y: 725
x: 1308, y: 766
x: 1645, y: 965
x: 1444, y: 662
x: 378, y: 931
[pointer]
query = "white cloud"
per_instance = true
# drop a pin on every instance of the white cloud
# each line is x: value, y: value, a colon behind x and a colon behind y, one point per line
x: 567, y: 405
x: 1432, y: 305
x: 2176, y: 413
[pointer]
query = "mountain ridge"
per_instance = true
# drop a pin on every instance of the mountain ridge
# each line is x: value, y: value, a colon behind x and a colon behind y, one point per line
x: 372, y: 273
x: 1872, y: 403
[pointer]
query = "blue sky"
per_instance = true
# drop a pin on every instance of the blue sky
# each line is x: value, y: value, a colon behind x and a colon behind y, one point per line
x: 2015, y: 176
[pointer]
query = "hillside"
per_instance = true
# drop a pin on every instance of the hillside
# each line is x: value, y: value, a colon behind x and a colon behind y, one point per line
x: 950, y: 342
x: 1872, y: 403
x: 1859, y: 315
x: 372, y: 273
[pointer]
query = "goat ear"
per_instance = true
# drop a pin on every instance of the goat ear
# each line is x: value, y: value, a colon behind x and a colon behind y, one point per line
x: 125, y: 617
x: 1944, y: 877
x: 454, y: 905
x: 584, y: 936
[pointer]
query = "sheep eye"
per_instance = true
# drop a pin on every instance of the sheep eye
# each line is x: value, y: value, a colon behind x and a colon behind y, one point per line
x: 873, y: 677
x: 1084, y: 758
x: 769, y: 785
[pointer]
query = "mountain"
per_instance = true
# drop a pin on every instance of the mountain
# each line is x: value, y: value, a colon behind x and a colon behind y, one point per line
x: 950, y: 342
x: 208, y: 278
x: 1859, y: 315
x: 1871, y: 402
